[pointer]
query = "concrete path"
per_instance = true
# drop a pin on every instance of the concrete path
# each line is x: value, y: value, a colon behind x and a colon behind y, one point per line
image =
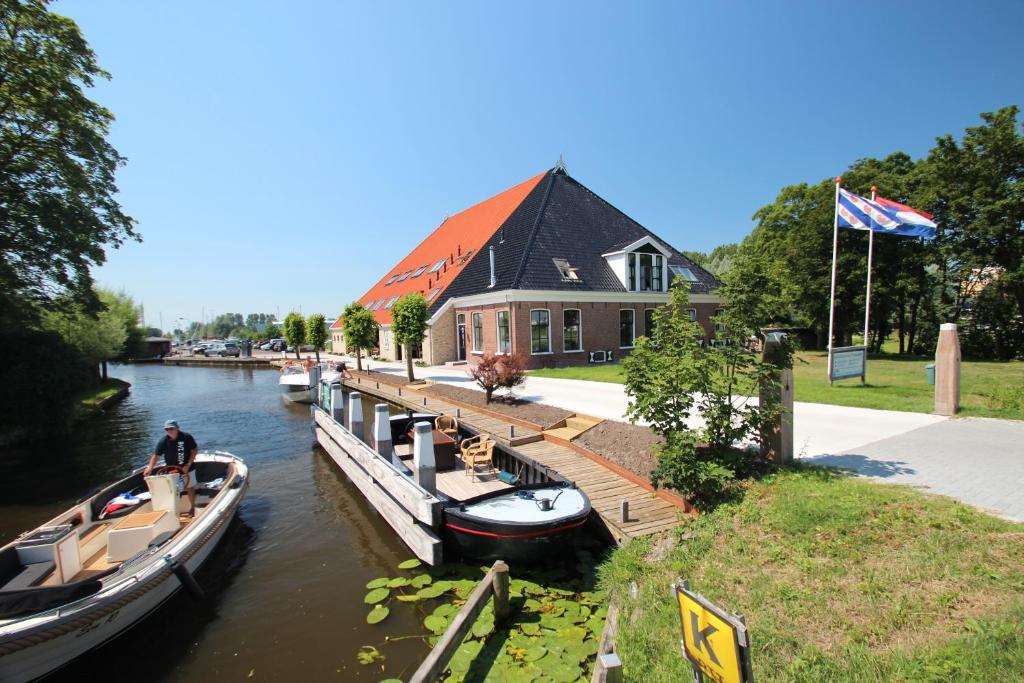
x: 978, y: 461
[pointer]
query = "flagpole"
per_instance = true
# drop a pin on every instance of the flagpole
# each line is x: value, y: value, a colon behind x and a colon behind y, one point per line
x: 832, y: 294
x: 867, y: 297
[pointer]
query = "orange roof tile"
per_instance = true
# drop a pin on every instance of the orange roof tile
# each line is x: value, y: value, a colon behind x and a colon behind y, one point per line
x: 455, y: 242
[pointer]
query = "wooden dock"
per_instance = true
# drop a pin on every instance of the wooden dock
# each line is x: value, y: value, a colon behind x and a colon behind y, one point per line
x: 648, y: 512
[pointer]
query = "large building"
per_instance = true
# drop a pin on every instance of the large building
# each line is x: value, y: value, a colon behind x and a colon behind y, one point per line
x: 547, y: 269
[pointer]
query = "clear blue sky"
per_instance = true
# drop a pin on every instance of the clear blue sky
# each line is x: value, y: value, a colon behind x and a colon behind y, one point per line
x: 287, y: 154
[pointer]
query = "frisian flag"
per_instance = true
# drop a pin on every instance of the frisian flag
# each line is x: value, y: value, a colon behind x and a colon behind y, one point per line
x: 883, y: 215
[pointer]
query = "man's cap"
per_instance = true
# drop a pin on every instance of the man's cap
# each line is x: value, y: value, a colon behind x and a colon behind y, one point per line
x: 171, y: 424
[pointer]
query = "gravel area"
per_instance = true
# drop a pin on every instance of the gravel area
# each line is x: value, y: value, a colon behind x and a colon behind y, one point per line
x: 528, y: 411
x: 627, y: 445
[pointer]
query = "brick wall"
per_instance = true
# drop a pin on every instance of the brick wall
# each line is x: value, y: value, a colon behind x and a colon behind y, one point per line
x: 599, y: 329
x: 439, y: 344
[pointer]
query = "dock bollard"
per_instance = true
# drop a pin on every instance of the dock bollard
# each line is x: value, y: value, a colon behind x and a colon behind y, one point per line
x: 337, y: 404
x: 314, y: 384
x: 382, y: 433
x: 355, y: 414
x: 511, y: 431
x: 624, y: 510
x: 424, y: 464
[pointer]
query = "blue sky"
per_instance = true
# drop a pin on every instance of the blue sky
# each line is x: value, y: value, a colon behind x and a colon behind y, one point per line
x: 285, y: 155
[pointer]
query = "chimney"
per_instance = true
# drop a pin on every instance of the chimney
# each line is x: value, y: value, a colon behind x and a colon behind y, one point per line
x: 494, y: 278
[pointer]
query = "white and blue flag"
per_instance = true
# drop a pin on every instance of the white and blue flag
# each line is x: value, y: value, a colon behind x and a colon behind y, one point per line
x: 883, y: 215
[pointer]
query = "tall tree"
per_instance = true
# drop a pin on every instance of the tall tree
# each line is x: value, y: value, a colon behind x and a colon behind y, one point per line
x: 100, y: 336
x: 409, y: 318
x: 360, y: 330
x: 57, y: 207
x: 316, y: 333
x: 295, y: 331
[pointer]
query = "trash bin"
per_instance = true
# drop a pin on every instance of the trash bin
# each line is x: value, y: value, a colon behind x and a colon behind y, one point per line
x: 929, y: 371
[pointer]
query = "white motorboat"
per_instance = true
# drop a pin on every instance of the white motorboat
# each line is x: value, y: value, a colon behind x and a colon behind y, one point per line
x: 294, y: 383
x: 92, y: 572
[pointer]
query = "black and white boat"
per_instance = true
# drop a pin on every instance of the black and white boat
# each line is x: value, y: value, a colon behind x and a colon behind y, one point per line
x: 518, y: 511
x: 294, y: 383
x: 92, y: 572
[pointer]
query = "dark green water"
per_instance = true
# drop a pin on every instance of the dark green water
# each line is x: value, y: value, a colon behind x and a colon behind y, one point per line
x: 286, y: 586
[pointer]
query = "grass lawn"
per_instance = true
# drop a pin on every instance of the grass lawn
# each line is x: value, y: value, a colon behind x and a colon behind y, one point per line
x: 89, y: 400
x: 987, y: 389
x: 840, y: 579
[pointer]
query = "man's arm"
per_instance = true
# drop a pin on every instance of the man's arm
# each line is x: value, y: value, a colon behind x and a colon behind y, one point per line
x: 152, y: 459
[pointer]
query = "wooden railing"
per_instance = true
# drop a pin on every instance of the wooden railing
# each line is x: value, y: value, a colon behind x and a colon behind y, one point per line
x: 494, y: 583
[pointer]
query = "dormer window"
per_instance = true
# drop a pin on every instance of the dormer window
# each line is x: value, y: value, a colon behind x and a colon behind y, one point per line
x: 641, y: 266
x: 568, y: 272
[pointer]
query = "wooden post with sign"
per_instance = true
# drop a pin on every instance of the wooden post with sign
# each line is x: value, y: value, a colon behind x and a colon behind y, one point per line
x: 715, y: 642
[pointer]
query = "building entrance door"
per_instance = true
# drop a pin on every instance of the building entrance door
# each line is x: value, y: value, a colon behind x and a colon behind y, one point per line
x: 460, y: 335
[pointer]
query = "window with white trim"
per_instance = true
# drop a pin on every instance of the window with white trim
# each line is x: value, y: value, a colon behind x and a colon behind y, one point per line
x: 627, y: 327
x: 691, y: 314
x: 504, y: 332
x: 540, y: 331
x: 572, y: 337
x: 719, y: 326
x: 651, y: 272
x: 478, y: 332
x: 631, y: 258
x: 567, y: 271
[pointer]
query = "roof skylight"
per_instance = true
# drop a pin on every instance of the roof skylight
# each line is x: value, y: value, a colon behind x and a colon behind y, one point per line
x: 391, y: 279
x: 404, y: 276
x: 419, y: 271
x: 568, y: 272
x: 434, y: 294
x: 438, y: 265
x: 684, y: 273
x: 391, y: 302
x: 377, y: 305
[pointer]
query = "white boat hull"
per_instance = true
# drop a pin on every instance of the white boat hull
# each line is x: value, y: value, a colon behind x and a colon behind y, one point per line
x: 34, y: 646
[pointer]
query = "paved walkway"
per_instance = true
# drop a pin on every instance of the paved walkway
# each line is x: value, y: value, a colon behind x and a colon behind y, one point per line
x: 979, y: 461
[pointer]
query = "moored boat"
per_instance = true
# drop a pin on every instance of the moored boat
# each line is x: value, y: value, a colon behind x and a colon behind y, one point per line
x: 92, y: 572
x: 516, y: 510
x: 294, y: 383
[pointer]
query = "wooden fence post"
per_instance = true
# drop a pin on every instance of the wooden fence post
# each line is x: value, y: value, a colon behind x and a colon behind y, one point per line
x: 500, y: 583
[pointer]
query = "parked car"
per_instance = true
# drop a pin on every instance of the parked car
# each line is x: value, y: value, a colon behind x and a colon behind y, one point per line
x: 278, y: 345
x: 199, y: 349
x: 230, y: 348
x: 265, y: 346
x: 214, y: 350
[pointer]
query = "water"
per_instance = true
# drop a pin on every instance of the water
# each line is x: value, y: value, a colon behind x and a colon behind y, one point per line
x: 285, y: 587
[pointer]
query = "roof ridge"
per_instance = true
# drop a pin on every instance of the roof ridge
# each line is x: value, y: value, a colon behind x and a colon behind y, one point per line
x: 534, y: 229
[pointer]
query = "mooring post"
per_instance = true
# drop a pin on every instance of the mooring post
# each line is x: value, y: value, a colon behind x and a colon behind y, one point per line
x: 947, y: 371
x: 423, y: 461
x: 337, y: 403
x: 382, y: 433
x: 511, y: 431
x: 500, y: 586
x: 355, y: 414
x: 314, y: 384
x: 624, y: 510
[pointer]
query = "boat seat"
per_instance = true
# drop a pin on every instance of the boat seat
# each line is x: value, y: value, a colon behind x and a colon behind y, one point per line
x: 32, y: 575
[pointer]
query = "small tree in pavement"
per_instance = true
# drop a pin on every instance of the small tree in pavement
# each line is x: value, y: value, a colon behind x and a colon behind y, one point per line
x: 295, y: 331
x: 360, y: 330
x: 409, y: 323
x: 316, y: 333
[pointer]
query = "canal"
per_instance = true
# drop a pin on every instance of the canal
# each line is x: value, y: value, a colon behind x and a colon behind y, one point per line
x: 285, y: 589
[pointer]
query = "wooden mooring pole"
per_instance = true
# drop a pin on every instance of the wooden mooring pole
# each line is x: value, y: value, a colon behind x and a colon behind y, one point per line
x: 496, y: 583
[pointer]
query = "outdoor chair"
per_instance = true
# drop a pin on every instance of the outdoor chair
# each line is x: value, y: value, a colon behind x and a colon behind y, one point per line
x: 446, y: 424
x: 477, y: 450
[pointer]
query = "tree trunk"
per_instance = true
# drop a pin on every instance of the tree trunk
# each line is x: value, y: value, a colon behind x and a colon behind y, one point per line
x: 297, y: 356
x: 104, y: 371
x: 913, y: 324
x: 317, y: 352
x: 902, y: 326
x: 488, y: 391
x: 408, y: 362
x: 359, y: 359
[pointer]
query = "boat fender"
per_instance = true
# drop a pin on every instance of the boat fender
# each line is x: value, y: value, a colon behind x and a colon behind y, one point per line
x: 188, y: 582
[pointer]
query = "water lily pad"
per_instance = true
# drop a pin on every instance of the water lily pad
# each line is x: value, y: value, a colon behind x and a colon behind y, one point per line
x: 421, y: 581
x: 410, y: 564
x: 392, y: 680
x: 376, y: 595
x: 368, y: 654
x: 464, y: 656
x: 435, y: 624
x: 435, y: 590
x: 534, y: 653
x: 408, y: 598
x: 530, y: 628
x: 377, y: 583
x: 483, y: 626
x: 378, y: 614
x: 398, y: 582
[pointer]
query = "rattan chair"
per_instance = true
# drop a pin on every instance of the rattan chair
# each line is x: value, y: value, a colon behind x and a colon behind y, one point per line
x: 477, y: 450
x: 446, y: 424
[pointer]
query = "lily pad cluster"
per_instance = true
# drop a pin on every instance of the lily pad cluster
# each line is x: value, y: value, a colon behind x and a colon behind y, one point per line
x: 551, y: 636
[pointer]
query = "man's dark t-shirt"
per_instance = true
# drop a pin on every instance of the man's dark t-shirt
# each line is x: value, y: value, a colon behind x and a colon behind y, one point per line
x: 176, y: 452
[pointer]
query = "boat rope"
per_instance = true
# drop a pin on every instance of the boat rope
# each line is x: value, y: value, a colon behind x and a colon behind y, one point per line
x: 50, y: 632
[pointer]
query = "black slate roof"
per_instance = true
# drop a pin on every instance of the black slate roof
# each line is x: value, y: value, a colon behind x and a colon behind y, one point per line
x: 561, y: 219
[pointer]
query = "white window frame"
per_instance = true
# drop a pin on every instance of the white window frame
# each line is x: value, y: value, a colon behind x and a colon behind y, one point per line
x: 565, y: 350
x: 497, y: 329
x: 540, y: 353
x: 476, y: 315
x: 719, y: 327
x: 691, y: 314
x: 632, y: 335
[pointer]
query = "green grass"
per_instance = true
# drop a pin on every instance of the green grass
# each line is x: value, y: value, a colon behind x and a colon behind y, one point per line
x: 987, y: 389
x: 89, y: 401
x: 840, y: 579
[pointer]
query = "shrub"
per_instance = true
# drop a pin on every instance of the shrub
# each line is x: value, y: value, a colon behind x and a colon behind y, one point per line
x: 502, y: 371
